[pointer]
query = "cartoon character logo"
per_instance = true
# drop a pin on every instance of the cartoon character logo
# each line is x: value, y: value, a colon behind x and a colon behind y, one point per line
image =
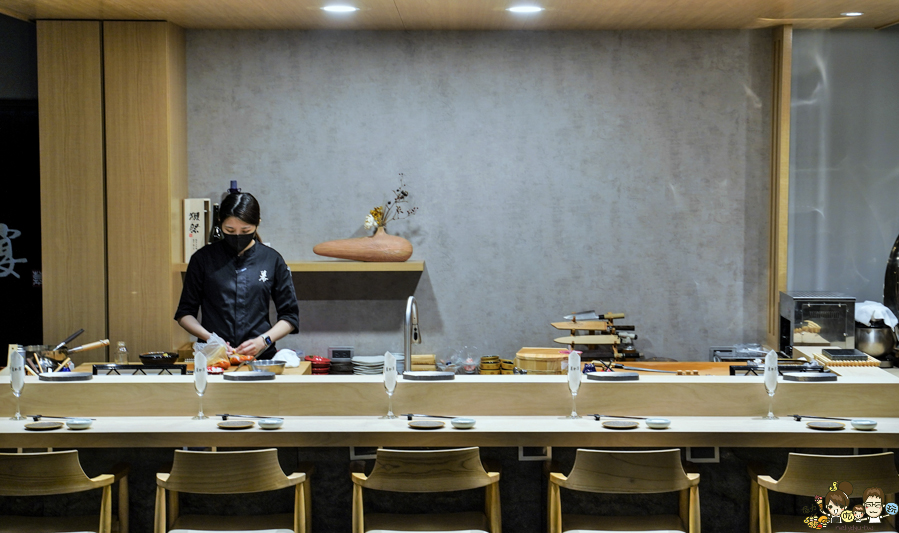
x: 834, y: 507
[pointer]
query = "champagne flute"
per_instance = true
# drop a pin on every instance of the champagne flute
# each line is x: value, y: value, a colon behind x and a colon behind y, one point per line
x: 17, y: 377
x: 200, y: 378
x: 574, y: 381
x: 770, y: 382
x: 389, y: 383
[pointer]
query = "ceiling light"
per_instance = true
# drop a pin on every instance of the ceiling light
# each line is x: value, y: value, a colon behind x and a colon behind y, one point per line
x: 525, y: 9
x: 340, y: 9
x: 852, y: 14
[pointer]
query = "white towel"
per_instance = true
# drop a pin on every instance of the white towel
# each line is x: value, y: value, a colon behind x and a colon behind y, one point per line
x: 290, y: 358
x: 867, y: 311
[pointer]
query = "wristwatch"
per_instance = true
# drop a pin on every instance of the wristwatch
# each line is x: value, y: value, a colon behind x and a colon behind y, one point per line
x: 267, y: 340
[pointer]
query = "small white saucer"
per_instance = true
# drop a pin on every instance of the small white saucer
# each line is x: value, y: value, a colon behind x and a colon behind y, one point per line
x: 78, y: 423
x: 657, y: 423
x: 864, y: 424
x: 270, y: 423
x: 463, y: 423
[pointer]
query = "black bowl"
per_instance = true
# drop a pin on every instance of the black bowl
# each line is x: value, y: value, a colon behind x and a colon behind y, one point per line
x: 158, y: 358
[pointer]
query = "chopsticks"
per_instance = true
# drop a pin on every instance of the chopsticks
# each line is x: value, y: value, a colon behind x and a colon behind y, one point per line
x: 225, y: 416
x: 410, y: 415
x: 799, y: 418
x: 597, y: 417
x: 38, y: 417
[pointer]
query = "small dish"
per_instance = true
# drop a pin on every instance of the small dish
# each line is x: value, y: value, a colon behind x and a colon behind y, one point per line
x: 271, y: 423
x: 426, y: 424
x: 864, y: 424
x: 826, y: 425
x: 44, y: 425
x: 463, y: 423
x: 619, y: 424
x: 657, y: 423
x: 79, y: 423
x: 236, y: 424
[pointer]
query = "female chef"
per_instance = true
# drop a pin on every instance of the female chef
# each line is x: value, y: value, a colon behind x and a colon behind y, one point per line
x: 233, y: 280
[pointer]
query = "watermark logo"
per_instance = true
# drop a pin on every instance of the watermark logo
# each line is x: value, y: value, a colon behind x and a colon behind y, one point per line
x: 834, y: 509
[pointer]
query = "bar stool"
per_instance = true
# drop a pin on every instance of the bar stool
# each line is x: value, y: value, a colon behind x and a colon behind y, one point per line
x: 624, y: 472
x: 52, y: 473
x: 814, y: 475
x: 428, y: 471
x: 239, y: 472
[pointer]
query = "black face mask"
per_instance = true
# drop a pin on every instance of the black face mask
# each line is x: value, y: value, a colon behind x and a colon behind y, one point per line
x: 237, y: 243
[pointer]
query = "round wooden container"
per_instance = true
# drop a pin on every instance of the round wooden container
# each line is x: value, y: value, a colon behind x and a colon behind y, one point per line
x: 541, y: 360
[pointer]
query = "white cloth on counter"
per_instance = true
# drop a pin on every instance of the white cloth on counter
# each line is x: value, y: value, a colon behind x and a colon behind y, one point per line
x: 290, y: 358
x: 867, y: 311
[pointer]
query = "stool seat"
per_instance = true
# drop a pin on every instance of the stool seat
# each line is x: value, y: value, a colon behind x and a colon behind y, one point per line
x: 578, y: 523
x: 454, y: 522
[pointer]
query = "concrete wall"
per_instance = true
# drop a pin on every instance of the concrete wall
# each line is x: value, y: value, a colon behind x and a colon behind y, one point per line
x: 553, y: 171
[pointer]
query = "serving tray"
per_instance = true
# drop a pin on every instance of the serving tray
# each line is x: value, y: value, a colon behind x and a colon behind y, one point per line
x: 65, y: 376
x: 258, y: 375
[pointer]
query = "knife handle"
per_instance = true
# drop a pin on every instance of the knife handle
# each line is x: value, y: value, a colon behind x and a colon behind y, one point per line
x: 91, y: 346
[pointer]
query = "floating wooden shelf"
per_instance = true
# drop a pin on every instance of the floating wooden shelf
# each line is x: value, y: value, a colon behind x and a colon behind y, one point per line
x: 343, y: 266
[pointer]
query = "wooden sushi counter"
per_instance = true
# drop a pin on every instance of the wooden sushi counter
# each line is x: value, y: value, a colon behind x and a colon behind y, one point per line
x: 705, y: 410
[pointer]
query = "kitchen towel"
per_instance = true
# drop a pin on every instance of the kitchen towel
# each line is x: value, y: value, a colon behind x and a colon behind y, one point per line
x: 867, y: 311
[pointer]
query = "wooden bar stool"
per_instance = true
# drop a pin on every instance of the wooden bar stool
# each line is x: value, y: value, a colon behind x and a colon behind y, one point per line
x: 815, y: 475
x: 428, y: 471
x: 622, y: 472
x: 240, y: 472
x: 52, y: 473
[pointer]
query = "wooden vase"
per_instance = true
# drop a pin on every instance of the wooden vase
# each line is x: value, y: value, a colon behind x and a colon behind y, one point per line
x: 379, y: 247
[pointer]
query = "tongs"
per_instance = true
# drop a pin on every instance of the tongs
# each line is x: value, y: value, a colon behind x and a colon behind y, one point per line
x: 638, y: 369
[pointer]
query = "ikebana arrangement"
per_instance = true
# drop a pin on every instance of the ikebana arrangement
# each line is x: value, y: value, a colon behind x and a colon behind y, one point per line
x: 381, y: 246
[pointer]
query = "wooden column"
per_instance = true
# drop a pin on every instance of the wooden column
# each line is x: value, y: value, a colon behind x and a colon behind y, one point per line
x: 780, y: 178
x: 72, y: 210
x: 146, y: 180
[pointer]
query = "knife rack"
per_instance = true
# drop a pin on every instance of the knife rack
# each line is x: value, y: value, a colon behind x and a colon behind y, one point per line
x: 595, y: 334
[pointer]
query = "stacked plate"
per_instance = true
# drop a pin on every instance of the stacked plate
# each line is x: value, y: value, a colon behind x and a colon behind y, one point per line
x: 341, y: 366
x: 365, y: 365
x: 320, y: 365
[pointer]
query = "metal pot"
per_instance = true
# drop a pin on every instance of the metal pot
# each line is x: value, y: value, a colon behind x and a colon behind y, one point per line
x: 876, y: 340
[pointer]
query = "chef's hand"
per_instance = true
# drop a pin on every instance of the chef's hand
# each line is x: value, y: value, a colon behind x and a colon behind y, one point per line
x: 251, y: 347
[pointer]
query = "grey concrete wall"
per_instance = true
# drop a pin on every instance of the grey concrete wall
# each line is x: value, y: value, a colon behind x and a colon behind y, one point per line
x: 553, y: 171
x: 844, y: 166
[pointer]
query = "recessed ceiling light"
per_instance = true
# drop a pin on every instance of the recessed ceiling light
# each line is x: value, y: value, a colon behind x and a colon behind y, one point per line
x: 525, y: 9
x: 852, y: 14
x: 340, y: 9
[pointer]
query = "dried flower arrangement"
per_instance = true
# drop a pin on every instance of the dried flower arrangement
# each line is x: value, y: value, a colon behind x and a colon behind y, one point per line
x: 392, y: 210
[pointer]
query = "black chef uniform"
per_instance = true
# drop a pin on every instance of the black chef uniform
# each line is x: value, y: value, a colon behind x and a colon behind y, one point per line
x: 234, y: 292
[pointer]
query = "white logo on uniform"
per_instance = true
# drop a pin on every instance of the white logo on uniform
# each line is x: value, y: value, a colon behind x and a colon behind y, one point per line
x: 262, y: 276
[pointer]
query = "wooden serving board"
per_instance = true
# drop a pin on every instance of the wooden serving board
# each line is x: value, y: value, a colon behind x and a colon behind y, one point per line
x: 588, y: 339
x: 588, y: 325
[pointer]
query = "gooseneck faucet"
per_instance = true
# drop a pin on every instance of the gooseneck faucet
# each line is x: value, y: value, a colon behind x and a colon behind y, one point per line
x: 411, y: 333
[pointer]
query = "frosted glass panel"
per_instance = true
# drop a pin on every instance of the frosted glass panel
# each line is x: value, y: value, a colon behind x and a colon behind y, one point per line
x: 844, y: 161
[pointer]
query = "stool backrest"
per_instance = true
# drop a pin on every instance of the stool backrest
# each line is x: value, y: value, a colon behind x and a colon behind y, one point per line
x: 811, y: 475
x: 225, y: 472
x: 42, y: 474
x: 427, y: 471
x: 640, y: 472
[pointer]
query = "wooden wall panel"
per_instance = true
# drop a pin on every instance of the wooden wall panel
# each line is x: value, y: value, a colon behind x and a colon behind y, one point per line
x: 70, y: 97
x: 146, y: 178
x: 780, y: 178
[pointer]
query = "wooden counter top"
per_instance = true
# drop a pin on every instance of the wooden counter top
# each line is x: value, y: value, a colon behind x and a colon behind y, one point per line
x: 128, y: 432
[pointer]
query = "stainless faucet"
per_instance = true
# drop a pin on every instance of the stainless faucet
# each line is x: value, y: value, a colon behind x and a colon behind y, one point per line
x: 411, y: 333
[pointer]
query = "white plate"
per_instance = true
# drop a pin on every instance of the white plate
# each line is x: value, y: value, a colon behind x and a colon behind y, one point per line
x: 864, y: 424
x: 657, y: 423
x: 270, y: 423
x: 78, y: 423
x: 463, y: 423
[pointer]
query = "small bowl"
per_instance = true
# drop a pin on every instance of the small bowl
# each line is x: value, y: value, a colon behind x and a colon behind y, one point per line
x: 78, y: 423
x: 270, y: 423
x: 267, y: 365
x: 158, y: 358
x: 864, y: 424
x: 463, y: 423
x: 657, y: 423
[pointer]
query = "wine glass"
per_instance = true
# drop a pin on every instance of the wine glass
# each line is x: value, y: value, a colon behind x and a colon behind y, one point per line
x: 17, y: 378
x: 200, y: 378
x: 389, y: 383
x: 770, y: 384
x: 574, y: 381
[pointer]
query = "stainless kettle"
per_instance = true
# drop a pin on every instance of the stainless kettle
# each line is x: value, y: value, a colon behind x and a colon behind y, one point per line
x: 876, y: 340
